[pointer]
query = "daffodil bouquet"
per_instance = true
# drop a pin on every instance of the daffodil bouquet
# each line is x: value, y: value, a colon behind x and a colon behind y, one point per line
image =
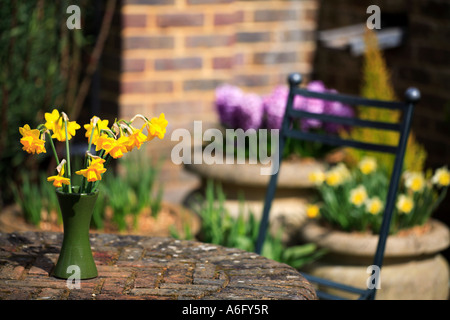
x: 353, y: 199
x: 110, y: 143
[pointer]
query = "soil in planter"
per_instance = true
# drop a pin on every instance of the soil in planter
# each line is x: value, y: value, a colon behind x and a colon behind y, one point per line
x: 170, y: 216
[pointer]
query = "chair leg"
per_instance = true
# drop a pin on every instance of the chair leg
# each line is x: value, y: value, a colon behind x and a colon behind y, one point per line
x: 266, y: 212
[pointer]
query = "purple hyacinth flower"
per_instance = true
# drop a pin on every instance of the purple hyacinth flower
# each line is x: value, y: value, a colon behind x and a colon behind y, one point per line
x: 339, y: 109
x: 313, y: 105
x: 275, y: 106
x: 249, y: 114
x: 228, y: 98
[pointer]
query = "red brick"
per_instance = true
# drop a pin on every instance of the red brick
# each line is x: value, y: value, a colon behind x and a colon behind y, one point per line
x: 201, y: 84
x: 114, y: 285
x: 250, y: 37
x: 223, y: 62
x: 179, y: 107
x: 298, y: 35
x: 133, y: 65
x: 178, y: 63
x: 178, y: 276
x: 148, y: 42
x: 208, y: 41
x: 239, y: 59
x: 179, y: 20
x: 251, y: 80
x: 146, y: 280
x: 269, y: 15
x: 274, y: 57
x: 147, y: 87
x: 50, y: 294
x: 134, y: 20
x: 12, y: 272
x: 21, y: 293
x: 228, y: 18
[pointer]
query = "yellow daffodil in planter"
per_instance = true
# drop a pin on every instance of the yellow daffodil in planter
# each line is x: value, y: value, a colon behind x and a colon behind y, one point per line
x: 77, y: 202
x: 353, y: 200
x: 346, y: 220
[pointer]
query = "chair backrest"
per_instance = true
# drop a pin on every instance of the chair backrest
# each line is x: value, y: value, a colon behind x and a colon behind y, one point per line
x: 412, y: 96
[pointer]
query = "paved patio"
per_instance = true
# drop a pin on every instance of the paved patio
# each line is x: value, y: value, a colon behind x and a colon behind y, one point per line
x: 135, y: 267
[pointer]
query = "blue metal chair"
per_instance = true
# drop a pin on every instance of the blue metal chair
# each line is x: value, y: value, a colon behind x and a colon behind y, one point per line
x: 412, y: 96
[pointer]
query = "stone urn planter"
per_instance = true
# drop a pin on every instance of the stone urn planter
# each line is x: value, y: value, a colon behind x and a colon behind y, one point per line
x: 244, y: 181
x: 412, y: 269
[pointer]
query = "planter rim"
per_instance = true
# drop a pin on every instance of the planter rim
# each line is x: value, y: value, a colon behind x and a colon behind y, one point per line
x: 292, y: 173
x: 364, y: 245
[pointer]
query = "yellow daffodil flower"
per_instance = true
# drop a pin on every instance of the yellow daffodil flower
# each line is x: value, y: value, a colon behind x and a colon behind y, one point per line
x: 103, y: 142
x: 367, y: 165
x: 99, y: 125
x: 441, y: 177
x: 94, y: 171
x: 343, y: 171
x: 312, y: 211
x: 333, y: 178
x: 116, y: 148
x: 415, y: 181
x: 31, y: 140
x: 55, y: 123
x: 53, y: 120
x: 59, y: 180
x: 374, y: 205
x: 136, y: 139
x: 317, y: 177
x: 156, y: 127
x: 405, y: 204
x: 60, y: 132
x: 358, y: 195
x: 337, y: 175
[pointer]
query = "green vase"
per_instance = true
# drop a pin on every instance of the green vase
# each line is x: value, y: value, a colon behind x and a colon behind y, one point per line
x: 75, y: 259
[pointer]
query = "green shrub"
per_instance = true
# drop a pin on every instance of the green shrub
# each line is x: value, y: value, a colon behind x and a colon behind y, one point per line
x: 40, y: 65
x: 377, y: 85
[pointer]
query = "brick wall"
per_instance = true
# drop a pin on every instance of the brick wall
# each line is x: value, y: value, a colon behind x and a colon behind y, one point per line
x: 422, y: 61
x: 169, y: 56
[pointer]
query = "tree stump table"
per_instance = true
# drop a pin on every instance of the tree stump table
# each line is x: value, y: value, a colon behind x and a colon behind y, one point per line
x: 137, y: 267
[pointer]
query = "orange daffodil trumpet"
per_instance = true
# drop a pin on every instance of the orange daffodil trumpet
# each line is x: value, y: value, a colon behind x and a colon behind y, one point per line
x: 110, y: 143
x: 136, y: 139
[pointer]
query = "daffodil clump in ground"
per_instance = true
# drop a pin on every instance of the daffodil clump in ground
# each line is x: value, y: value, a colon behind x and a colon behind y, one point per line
x: 110, y: 143
x: 354, y: 199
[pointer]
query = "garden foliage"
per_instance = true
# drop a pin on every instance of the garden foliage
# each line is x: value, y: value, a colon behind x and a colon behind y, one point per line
x: 41, y: 62
x: 221, y: 228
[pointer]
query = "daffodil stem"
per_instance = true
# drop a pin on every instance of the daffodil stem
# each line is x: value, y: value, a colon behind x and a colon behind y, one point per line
x: 107, y: 160
x: 54, y: 150
x: 69, y: 175
x: 86, y: 158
